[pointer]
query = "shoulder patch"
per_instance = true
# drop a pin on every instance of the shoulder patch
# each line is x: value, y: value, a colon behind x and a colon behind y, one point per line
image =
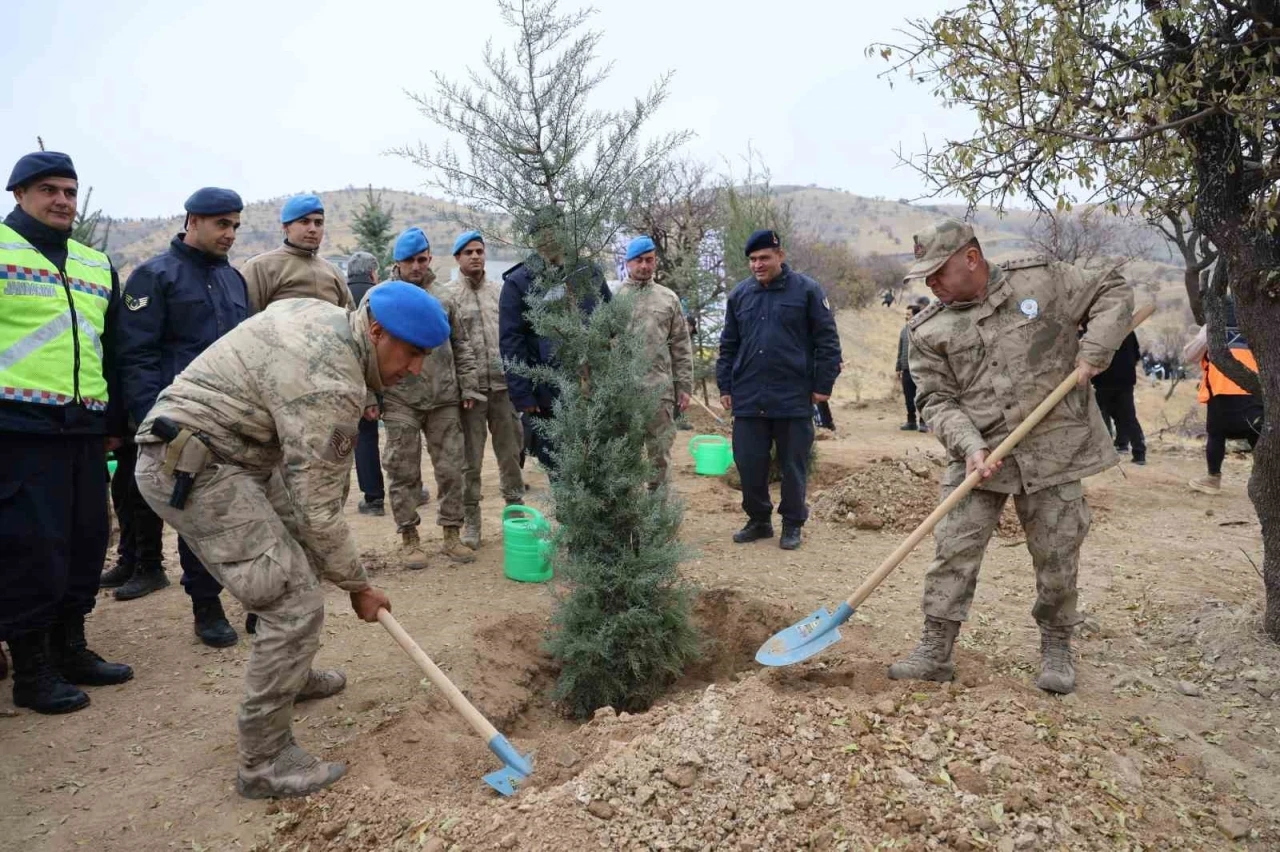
x: 342, y: 441
x: 136, y: 303
x: 934, y: 307
x: 1025, y: 262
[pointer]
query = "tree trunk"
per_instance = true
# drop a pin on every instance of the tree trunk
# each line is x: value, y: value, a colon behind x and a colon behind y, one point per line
x: 1260, y: 319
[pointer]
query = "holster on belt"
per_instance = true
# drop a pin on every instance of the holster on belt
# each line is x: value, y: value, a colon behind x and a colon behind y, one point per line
x: 185, y: 456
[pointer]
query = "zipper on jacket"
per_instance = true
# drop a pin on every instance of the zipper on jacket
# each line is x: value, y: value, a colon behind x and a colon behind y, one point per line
x: 75, y: 335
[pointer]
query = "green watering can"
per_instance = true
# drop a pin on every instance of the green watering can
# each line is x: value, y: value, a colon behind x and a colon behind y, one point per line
x: 526, y: 546
x: 111, y: 464
x: 712, y: 454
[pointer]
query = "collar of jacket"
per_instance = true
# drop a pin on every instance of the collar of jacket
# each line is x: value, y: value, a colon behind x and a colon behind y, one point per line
x: 427, y: 281
x: 37, y: 233
x: 474, y: 284
x: 299, y: 251
x: 187, y: 252
x: 638, y: 284
x: 362, y: 278
x: 359, y: 319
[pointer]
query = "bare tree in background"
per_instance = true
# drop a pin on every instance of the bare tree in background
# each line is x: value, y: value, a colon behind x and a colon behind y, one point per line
x: 1086, y: 237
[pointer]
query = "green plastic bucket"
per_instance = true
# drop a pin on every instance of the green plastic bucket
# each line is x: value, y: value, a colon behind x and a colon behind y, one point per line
x: 712, y: 454
x: 111, y: 464
x: 526, y: 546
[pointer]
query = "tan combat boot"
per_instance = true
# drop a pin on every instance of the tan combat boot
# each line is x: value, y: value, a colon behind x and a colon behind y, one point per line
x: 321, y: 683
x: 931, y: 660
x: 1207, y: 484
x: 471, y: 527
x: 453, y: 547
x: 289, y: 774
x: 411, y: 552
x: 1057, y: 671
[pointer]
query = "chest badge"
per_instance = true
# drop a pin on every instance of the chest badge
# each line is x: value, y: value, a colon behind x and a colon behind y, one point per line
x: 1030, y: 308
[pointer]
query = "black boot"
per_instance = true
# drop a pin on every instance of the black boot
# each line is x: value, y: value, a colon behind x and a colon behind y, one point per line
x: 251, y: 623
x: 76, y: 662
x: 119, y: 575
x: 147, y: 579
x: 790, y: 537
x: 211, y: 624
x: 753, y: 531
x: 36, y: 683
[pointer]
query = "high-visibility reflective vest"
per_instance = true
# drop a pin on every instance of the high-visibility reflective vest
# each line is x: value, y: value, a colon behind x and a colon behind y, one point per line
x: 1215, y: 382
x: 51, y: 324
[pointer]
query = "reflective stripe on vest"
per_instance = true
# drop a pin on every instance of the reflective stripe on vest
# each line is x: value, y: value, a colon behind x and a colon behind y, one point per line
x: 48, y: 320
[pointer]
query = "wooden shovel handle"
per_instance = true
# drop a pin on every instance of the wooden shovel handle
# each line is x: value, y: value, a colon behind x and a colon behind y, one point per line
x: 704, y: 407
x: 971, y: 481
x: 441, y: 681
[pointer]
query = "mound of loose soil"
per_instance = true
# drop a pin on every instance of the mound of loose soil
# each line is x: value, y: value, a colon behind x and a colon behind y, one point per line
x: 824, y: 755
x: 894, y: 494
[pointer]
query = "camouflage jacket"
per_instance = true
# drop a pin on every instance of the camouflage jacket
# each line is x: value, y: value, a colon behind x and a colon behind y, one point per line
x: 477, y: 309
x: 289, y: 272
x: 982, y: 368
x: 286, y: 389
x: 657, y: 319
x: 448, y: 373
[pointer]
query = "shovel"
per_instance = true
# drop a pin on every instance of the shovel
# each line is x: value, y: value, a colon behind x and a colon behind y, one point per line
x: 704, y: 407
x: 820, y: 629
x: 515, y: 767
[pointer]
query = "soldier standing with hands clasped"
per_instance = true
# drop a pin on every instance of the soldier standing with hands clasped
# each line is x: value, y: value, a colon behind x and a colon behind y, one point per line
x: 997, y: 342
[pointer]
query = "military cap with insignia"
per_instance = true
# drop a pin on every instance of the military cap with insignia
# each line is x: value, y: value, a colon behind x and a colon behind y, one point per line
x: 935, y: 246
x: 762, y: 239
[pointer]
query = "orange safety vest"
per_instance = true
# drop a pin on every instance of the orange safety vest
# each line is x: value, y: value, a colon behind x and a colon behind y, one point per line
x: 1215, y: 382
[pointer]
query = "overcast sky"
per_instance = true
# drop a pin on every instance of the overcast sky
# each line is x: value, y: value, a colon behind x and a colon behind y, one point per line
x: 153, y: 100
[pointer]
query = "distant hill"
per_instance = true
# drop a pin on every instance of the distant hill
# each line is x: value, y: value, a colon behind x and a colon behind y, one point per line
x: 868, y: 225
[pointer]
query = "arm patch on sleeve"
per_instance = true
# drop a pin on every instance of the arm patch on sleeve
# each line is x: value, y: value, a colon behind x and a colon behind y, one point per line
x: 341, y: 443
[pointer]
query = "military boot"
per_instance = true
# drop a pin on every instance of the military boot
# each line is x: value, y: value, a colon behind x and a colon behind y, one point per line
x: 211, y: 623
x: 471, y: 528
x: 1057, y: 671
x: 119, y: 575
x: 149, y: 577
x: 411, y: 552
x: 753, y: 531
x: 453, y: 548
x: 36, y: 683
x: 289, y: 774
x: 321, y: 683
x: 71, y: 654
x: 931, y: 660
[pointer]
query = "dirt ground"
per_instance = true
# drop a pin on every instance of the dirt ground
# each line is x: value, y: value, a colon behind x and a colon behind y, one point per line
x: 1171, y: 740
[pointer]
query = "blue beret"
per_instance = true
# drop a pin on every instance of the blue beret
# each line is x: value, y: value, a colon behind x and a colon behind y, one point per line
x: 640, y: 245
x: 763, y: 240
x: 469, y: 237
x: 409, y: 313
x: 38, y: 165
x: 411, y: 242
x: 212, y: 200
x: 300, y: 205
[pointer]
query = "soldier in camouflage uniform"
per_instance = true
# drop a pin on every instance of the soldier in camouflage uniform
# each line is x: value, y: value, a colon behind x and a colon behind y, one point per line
x: 429, y: 405
x: 474, y: 298
x: 997, y: 342
x: 657, y: 319
x: 268, y: 417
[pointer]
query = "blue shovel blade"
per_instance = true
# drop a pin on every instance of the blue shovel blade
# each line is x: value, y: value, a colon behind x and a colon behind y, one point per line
x: 516, y: 767
x: 805, y: 638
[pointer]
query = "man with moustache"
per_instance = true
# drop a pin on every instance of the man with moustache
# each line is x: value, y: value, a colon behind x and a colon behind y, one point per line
x: 429, y: 405
x: 296, y: 270
x: 60, y: 412
x: 176, y: 305
x: 475, y: 299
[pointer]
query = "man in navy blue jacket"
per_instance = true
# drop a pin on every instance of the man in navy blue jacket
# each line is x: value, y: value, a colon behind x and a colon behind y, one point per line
x: 176, y: 305
x: 779, y: 354
x: 542, y: 274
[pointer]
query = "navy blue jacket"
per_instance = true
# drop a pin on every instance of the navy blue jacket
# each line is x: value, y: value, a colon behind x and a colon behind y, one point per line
x: 175, y: 305
x: 779, y: 346
x: 516, y: 339
x: 75, y: 418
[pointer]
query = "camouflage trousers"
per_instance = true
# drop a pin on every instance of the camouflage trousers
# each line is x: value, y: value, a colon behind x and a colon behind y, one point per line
x: 402, y: 461
x: 659, y: 436
x: 1055, y: 521
x: 496, y: 416
x: 241, y: 525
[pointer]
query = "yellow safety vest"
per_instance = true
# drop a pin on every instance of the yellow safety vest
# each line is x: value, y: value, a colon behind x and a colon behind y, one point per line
x: 51, y: 324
